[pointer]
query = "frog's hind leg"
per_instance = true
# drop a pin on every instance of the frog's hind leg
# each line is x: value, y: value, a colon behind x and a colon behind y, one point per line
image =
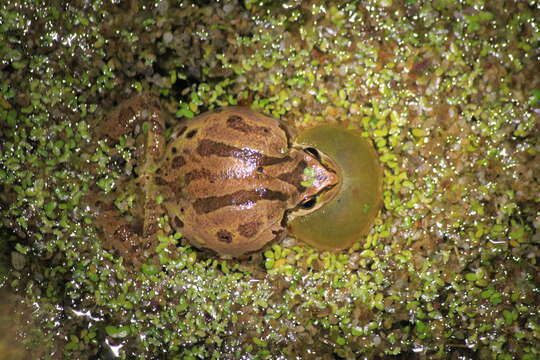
x: 142, y: 116
x: 149, y: 162
x: 118, y: 234
x: 129, y: 114
x: 145, y: 111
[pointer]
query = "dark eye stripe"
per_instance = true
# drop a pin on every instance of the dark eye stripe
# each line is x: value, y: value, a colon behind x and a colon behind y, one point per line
x: 208, y: 148
x: 295, y: 176
x: 238, y: 198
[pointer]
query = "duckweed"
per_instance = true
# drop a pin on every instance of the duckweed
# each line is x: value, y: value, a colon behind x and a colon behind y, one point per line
x: 447, y: 91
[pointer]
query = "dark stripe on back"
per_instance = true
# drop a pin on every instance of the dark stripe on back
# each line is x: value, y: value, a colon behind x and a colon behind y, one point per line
x: 238, y: 198
x: 200, y: 174
x: 295, y: 176
x: 208, y: 148
x: 238, y: 123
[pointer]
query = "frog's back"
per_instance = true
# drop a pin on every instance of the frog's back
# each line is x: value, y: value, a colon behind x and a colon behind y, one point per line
x: 226, y: 168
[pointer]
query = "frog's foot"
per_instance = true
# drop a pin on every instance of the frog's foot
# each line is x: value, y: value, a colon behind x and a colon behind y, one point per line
x: 118, y: 236
x: 121, y: 236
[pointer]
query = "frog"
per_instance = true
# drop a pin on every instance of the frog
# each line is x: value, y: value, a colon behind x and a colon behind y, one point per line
x: 226, y: 179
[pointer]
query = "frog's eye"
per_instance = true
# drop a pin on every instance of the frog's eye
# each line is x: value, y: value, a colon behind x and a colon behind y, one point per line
x: 308, y: 203
x: 347, y: 213
x: 313, y: 152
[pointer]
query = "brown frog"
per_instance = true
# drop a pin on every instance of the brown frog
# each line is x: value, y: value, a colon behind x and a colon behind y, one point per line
x: 226, y: 179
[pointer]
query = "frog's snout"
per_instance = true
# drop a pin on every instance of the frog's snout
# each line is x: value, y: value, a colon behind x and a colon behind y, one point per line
x: 318, y: 176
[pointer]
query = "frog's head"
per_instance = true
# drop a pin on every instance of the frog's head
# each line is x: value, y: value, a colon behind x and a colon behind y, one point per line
x: 319, y: 176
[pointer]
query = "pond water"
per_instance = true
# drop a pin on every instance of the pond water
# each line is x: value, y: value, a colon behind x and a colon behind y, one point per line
x: 447, y: 91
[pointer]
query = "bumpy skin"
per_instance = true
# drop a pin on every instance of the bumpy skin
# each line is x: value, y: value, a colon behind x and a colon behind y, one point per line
x: 227, y: 177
